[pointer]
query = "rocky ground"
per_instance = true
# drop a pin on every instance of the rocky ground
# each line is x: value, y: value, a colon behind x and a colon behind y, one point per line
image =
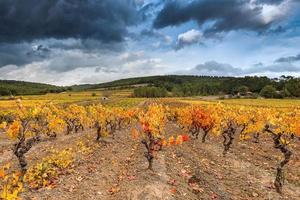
x: 116, y: 169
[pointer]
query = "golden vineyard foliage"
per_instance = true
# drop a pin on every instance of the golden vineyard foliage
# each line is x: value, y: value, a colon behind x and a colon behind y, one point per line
x: 149, y: 124
x: 285, y: 122
x: 195, y: 117
x: 45, y: 173
x: 51, y: 119
x: 38, y: 120
x: 99, y: 117
x: 75, y: 117
x: 107, y: 120
x: 14, y: 129
x: 3, y: 125
x: 153, y: 120
x: 175, y: 141
x: 254, y: 119
x: 12, y: 185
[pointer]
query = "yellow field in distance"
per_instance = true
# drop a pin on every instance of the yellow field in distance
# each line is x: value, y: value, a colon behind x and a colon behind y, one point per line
x: 278, y: 103
x: 94, y: 96
x: 122, y: 98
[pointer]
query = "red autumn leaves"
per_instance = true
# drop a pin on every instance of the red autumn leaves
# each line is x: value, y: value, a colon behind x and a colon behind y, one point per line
x: 166, y: 141
x: 175, y: 141
x: 201, y: 118
x: 145, y: 127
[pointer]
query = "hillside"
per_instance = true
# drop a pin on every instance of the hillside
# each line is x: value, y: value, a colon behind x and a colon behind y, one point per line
x: 156, y: 80
x: 183, y: 85
x: 169, y: 81
x: 11, y: 87
x: 175, y: 85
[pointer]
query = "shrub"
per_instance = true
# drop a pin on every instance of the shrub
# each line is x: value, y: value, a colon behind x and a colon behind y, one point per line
x: 268, y: 92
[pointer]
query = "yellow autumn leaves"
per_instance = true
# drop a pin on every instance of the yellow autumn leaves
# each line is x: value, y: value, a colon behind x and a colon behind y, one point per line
x: 254, y: 119
x: 44, y: 173
x: 14, y: 129
x: 153, y: 120
x: 11, y: 184
x: 3, y: 125
x: 31, y: 121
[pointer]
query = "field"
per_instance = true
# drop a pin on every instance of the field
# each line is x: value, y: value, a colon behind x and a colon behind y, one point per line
x: 88, y: 97
x: 136, y: 148
x: 278, y: 103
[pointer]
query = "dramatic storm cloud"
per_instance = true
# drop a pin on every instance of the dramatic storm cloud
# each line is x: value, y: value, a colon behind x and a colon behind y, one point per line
x: 269, y: 1
x: 29, y: 20
x: 224, y: 16
x: 90, y: 41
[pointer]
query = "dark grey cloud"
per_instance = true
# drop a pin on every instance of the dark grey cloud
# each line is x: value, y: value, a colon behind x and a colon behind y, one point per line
x: 288, y: 59
x: 269, y: 2
x: 39, y: 51
x: 277, y: 68
x: 103, y: 20
x: 155, y: 34
x: 224, y: 15
x: 20, y: 54
x: 149, y: 9
x: 23, y: 53
x: 150, y: 33
x: 86, y: 45
x: 69, y: 61
x: 105, y: 69
x: 278, y: 29
x: 214, y: 68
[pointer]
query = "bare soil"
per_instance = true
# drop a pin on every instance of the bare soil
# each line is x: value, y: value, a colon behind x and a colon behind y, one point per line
x: 116, y: 169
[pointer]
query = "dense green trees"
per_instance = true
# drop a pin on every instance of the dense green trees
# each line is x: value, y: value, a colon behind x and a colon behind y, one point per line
x: 4, y: 91
x: 150, y: 92
x: 242, y: 90
x: 285, y: 86
x: 268, y: 92
x: 174, y: 85
x: 8, y: 88
x: 292, y: 87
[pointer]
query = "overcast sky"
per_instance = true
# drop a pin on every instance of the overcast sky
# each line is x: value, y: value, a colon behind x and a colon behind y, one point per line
x: 67, y: 42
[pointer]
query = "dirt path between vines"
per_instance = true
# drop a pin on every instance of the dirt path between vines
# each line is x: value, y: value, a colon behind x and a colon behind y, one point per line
x: 242, y: 174
x: 116, y: 170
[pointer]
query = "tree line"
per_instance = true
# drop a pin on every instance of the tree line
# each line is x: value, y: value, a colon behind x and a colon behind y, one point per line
x: 285, y: 86
x: 12, y: 88
x: 173, y: 85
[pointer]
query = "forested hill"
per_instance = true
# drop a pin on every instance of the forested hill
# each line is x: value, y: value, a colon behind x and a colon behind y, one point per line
x: 184, y: 85
x: 11, y: 87
x: 165, y: 81
x: 158, y: 80
x: 174, y: 85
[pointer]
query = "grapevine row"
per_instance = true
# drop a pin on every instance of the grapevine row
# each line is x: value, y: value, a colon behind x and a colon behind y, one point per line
x: 27, y: 126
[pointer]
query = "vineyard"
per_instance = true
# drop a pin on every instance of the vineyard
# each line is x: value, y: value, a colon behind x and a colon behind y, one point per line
x: 150, y: 149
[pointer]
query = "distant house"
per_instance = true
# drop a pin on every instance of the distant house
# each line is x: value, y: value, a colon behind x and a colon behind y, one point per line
x: 104, y: 98
x: 228, y: 96
x: 245, y: 94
